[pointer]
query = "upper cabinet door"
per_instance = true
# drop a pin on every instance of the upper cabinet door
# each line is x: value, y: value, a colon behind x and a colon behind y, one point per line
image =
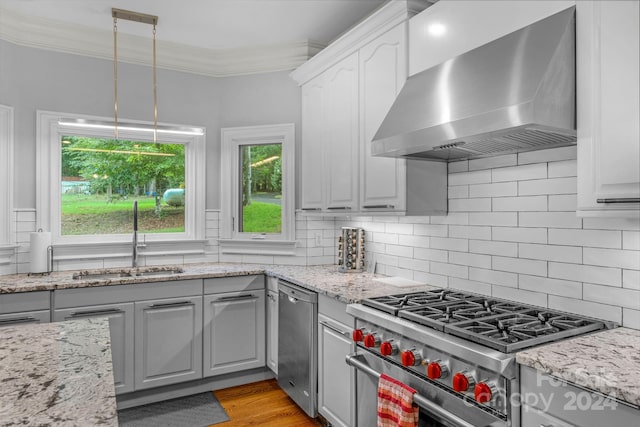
x: 312, y: 153
x: 608, y: 83
x: 383, y: 71
x: 341, y: 109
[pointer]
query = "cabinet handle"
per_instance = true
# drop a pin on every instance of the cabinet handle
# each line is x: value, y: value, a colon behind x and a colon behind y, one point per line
x: 620, y: 200
x: 342, y: 208
x: 172, y: 304
x: 379, y: 206
x: 18, y: 320
x: 94, y: 313
x: 334, y: 329
x: 237, y: 298
x: 310, y: 209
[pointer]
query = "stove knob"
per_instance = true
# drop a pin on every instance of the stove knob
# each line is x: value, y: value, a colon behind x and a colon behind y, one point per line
x: 371, y: 340
x: 462, y: 381
x: 437, y: 369
x: 483, y: 392
x: 410, y: 358
x: 357, y: 335
x: 387, y: 348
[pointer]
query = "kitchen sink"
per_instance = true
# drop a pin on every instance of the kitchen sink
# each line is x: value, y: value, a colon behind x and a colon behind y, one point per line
x: 119, y: 273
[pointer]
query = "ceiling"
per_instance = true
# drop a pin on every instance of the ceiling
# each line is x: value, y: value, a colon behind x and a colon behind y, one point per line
x: 214, y: 25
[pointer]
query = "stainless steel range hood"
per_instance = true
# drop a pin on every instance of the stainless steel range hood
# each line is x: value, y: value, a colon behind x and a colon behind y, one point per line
x: 514, y: 94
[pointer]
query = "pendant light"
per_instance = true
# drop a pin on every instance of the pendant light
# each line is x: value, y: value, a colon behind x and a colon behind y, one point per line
x: 145, y: 19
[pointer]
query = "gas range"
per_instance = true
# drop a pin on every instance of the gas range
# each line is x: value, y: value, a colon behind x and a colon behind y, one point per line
x: 502, y: 325
x: 457, y: 349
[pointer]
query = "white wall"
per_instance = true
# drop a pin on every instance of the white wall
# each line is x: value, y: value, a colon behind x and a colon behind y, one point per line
x: 512, y: 232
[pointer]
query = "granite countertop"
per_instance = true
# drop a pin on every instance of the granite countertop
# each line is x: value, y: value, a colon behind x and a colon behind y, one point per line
x: 606, y: 361
x: 324, y: 279
x: 57, y: 374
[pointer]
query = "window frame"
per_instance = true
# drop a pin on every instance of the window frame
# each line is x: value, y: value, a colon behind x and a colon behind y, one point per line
x: 7, y: 237
x: 48, y: 174
x: 233, y: 241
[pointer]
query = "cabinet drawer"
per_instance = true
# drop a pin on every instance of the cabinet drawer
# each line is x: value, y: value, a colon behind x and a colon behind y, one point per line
x: 335, y: 309
x: 24, y: 301
x: 233, y: 284
x: 67, y: 298
x: 25, y: 317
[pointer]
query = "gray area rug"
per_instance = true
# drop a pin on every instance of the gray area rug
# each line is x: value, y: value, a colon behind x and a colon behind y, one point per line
x: 198, y: 410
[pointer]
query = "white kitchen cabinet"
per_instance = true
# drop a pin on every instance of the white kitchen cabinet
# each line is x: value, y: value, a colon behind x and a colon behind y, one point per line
x: 24, y: 307
x: 234, y: 331
x: 168, y: 347
x: 272, y: 330
x: 608, y: 83
x: 329, y: 139
x: 383, y: 71
x: 312, y: 194
x: 549, y: 401
x: 341, y: 145
x: 336, y: 379
x: 121, y: 320
x: 347, y: 90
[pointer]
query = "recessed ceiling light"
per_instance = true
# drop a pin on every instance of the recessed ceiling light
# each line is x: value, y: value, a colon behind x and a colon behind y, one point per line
x: 436, y: 29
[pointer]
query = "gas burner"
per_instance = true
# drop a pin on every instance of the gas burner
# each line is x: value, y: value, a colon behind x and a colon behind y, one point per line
x: 392, y: 304
x: 514, y: 331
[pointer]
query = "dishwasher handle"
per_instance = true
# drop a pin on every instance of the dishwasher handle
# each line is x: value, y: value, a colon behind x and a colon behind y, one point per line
x: 295, y: 293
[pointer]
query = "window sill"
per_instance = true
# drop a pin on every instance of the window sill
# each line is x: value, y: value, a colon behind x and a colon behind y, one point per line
x: 258, y: 247
x: 104, y: 250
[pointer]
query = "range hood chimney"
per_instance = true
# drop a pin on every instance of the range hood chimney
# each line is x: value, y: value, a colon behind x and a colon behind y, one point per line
x: 514, y: 94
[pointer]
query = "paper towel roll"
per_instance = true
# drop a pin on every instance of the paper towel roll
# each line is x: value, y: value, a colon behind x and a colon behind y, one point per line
x: 38, y: 252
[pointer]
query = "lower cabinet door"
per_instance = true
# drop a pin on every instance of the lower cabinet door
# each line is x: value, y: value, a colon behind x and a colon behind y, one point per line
x: 168, y: 347
x: 121, y: 331
x: 234, y: 332
x: 336, y: 379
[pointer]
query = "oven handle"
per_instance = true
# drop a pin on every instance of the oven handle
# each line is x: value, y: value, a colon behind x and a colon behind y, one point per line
x: 355, y: 361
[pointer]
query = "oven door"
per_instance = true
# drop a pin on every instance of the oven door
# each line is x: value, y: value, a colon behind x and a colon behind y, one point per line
x: 437, y: 407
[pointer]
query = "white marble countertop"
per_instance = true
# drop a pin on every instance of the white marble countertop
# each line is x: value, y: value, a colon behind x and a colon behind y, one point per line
x: 57, y: 374
x: 606, y: 361
x: 324, y: 279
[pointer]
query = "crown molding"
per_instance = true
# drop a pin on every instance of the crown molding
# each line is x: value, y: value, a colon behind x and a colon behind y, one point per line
x: 377, y: 23
x: 43, y: 33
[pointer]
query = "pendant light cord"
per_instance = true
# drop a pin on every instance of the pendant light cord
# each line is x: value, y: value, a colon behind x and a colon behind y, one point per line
x: 115, y: 76
x: 155, y: 91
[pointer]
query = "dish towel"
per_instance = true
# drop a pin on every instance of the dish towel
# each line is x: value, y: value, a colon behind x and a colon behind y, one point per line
x: 395, y: 404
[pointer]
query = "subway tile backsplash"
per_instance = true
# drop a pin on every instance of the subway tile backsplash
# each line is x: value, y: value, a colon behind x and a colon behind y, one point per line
x: 512, y: 232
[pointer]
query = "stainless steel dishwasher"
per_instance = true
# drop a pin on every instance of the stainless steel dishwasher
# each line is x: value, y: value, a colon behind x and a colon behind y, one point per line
x: 297, y: 345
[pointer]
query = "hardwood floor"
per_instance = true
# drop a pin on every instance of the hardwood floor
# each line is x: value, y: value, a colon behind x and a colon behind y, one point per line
x: 261, y: 404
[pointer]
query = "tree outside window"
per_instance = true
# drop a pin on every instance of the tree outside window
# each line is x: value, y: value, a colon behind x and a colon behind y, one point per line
x: 100, y: 178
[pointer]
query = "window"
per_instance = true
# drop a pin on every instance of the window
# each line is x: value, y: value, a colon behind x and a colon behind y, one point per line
x: 258, y: 189
x: 101, y: 177
x: 88, y: 181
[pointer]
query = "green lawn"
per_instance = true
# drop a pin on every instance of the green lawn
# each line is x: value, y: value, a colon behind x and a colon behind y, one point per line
x: 91, y: 214
x: 261, y: 217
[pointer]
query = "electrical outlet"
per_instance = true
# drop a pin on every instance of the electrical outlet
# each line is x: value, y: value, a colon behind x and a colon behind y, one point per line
x: 318, y: 238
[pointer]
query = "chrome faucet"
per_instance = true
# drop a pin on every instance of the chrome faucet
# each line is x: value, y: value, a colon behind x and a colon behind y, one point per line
x: 134, y: 261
